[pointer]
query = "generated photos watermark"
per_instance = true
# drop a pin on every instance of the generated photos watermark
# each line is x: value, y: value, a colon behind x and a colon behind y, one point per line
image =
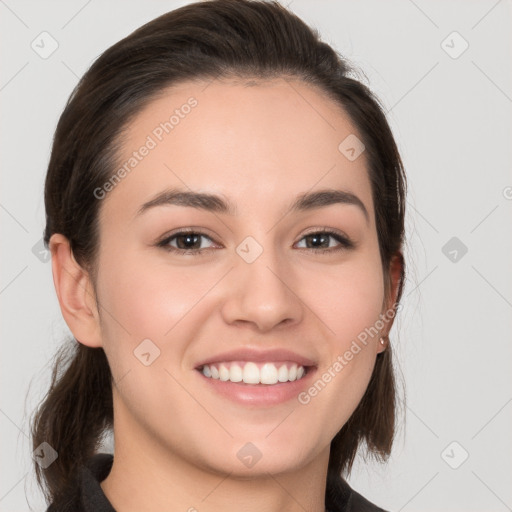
x: 152, y: 140
x: 343, y: 359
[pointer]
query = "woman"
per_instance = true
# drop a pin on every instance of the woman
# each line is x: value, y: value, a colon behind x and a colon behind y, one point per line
x: 225, y: 213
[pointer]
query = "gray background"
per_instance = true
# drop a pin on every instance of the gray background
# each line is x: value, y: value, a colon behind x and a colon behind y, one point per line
x: 451, y: 115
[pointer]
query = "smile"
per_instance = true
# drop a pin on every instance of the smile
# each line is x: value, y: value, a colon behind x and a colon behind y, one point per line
x: 249, y: 372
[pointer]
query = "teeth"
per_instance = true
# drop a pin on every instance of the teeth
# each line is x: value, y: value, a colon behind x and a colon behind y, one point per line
x: 282, y: 374
x: 252, y: 373
x: 268, y: 374
x: 236, y: 373
x: 223, y: 372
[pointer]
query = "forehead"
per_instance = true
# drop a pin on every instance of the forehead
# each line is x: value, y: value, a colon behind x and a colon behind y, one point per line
x: 256, y: 143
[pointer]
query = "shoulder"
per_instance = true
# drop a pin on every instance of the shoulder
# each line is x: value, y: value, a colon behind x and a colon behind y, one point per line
x: 340, y: 497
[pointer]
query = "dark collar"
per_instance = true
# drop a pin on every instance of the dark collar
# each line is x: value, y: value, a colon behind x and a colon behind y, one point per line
x: 96, y: 470
x: 339, y: 496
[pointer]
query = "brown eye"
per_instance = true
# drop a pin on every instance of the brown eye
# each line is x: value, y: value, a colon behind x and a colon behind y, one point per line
x: 190, y: 242
x: 187, y: 242
x: 321, y: 241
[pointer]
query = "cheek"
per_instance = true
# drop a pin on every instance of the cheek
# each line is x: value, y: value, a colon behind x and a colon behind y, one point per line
x: 146, y: 298
x: 348, y: 301
x: 347, y: 298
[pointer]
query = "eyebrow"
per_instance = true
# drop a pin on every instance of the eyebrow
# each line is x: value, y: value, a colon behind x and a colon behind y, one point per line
x: 217, y: 204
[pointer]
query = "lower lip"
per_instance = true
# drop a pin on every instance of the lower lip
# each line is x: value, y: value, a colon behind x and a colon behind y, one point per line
x: 260, y: 394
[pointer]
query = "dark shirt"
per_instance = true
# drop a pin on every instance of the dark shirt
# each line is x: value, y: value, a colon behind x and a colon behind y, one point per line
x: 86, y: 495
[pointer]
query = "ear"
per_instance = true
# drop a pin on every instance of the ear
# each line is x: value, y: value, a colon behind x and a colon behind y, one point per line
x: 395, y: 270
x: 75, y: 292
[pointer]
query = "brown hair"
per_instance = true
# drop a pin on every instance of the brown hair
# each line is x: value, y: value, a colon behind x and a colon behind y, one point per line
x: 202, y: 40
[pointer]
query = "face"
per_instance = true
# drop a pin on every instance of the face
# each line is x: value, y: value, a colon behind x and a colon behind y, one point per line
x: 255, y: 285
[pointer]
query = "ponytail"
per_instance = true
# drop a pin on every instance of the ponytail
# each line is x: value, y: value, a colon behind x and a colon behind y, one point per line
x: 73, y: 417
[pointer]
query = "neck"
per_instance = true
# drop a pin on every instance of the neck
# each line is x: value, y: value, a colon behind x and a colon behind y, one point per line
x: 146, y: 478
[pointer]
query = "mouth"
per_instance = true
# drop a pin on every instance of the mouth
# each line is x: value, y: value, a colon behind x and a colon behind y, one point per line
x: 256, y: 384
x: 250, y: 376
x: 268, y: 373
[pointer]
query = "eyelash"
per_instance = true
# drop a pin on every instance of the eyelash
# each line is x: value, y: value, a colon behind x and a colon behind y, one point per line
x: 345, y: 242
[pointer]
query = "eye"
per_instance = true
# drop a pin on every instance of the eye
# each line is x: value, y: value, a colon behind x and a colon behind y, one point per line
x: 190, y: 241
x: 318, y: 241
x: 187, y: 242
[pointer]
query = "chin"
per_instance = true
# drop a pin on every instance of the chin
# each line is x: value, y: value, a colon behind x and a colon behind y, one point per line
x: 247, y: 460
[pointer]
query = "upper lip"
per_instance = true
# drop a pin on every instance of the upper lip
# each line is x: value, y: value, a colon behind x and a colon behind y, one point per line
x: 247, y: 354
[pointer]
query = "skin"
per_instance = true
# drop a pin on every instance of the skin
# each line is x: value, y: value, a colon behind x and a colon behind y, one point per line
x: 176, y: 440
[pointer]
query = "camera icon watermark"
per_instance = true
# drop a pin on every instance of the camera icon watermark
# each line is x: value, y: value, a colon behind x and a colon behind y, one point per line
x: 249, y: 249
x: 44, y: 45
x: 454, y: 45
x: 147, y: 352
x: 454, y: 455
x: 351, y: 147
x: 40, y: 251
x: 249, y: 455
x: 44, y: 455
x: 454, y: 249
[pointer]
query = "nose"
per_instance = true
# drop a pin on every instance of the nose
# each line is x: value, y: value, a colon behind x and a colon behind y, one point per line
x: 262, y: 293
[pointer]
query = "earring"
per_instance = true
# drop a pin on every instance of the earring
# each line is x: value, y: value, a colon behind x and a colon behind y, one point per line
x: 383, y: 340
